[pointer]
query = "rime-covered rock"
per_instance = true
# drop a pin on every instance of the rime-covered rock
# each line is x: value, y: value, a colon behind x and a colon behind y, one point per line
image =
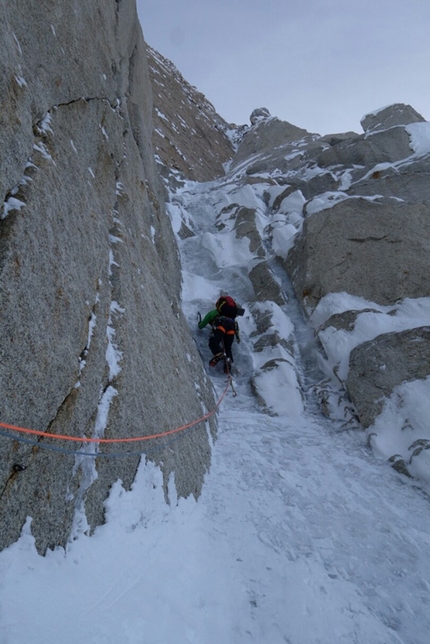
x: 360, y: 229
x: 259, y: 144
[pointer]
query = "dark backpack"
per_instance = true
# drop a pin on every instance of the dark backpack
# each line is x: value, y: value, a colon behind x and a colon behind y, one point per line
x: 226, y: 306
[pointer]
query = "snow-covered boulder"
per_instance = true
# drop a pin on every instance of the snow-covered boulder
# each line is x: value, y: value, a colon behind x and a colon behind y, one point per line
x: 274, y: 380
x: 380, y: 365
x: 380, y: 147
x: 408, y: 179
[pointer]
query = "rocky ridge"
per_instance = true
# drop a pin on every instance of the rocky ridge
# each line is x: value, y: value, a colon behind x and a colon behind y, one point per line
x: 189, y: 137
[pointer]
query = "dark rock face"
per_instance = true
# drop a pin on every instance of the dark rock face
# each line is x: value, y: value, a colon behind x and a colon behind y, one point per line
x: 264, y: 285
x: 92, y: 339
x: 189, y: 136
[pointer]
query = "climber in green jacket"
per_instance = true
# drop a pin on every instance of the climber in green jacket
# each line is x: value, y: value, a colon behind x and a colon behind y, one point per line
x: 224, y: 329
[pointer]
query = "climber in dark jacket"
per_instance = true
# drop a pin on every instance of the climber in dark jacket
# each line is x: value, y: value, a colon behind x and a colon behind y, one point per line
x: 225, y: 305
x: 224, y: 329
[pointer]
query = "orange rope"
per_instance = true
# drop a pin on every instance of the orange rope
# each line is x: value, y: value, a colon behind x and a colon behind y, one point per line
x: 84, y: 439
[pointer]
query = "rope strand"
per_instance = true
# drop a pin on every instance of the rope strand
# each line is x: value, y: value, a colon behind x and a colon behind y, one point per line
x: 85, y: 440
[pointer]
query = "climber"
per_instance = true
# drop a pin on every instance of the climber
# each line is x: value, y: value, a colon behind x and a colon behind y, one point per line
x: 225, y: 305
x: 224, y: 329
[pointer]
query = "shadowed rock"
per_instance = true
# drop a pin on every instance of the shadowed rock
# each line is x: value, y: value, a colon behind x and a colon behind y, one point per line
x: 379, y: 251
x: 264, y: 284
x: 378, y: 366
x: 189, y: 136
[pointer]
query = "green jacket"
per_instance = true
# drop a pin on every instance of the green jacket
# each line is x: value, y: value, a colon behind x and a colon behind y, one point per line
x: 208, y: 319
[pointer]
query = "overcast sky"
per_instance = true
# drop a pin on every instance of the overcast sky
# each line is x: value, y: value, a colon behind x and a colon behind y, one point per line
x: 319, y: 64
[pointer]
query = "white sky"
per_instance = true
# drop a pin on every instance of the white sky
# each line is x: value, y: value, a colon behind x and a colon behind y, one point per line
x: 319, y: 64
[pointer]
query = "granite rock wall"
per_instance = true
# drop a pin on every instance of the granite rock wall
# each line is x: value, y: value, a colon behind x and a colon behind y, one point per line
x: 92, y: 339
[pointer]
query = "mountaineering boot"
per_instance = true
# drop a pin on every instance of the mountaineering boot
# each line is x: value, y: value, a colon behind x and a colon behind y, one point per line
x: 217, y: 357
x: 227, y: 365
